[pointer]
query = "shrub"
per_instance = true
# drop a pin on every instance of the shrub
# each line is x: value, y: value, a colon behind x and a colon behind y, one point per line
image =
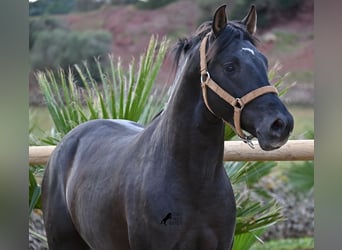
x: 208, y: 8
x: 87, y: 5
x: 122, y: 94
x: 43, y: 24
x: 119, y: 2
x: 153, y: 4
x: 60, y: 48
x: 41, y: 7
x: 37, y: 8
x: 60, y: 6
x: 53, y: 45
x: 268, y: 10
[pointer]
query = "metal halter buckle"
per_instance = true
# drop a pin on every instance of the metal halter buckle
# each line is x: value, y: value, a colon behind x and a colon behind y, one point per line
x: 248, y: 141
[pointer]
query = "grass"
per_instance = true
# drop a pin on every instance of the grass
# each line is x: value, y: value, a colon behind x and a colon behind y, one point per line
x: 40, y: 121
x: 301, y: 77
x: 303, y: 119
x: 286, y: 244
x: 286, y: 41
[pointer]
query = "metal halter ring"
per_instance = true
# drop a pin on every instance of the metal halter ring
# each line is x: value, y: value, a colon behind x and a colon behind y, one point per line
x: 238, y: 104
x: 205, y: 77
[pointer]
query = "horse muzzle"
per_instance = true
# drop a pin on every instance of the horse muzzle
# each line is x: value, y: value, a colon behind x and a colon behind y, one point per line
x: 274, y: 133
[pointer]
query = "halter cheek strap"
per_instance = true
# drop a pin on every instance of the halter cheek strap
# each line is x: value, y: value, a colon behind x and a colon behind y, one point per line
x: 237, y: 103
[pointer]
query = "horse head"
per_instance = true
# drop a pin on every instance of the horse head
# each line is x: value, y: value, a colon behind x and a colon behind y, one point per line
x: 235, y: 84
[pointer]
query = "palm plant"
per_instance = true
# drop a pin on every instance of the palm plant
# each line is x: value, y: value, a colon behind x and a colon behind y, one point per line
x: 301, y: 175
x: 129, y: 95
x: 119, y: 95
x: 253, y: 215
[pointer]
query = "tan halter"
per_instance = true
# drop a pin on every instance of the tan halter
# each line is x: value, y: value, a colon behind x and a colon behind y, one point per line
x: 236, y: 103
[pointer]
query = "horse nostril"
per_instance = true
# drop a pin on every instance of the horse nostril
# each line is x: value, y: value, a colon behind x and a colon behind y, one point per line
x: 278, y: 125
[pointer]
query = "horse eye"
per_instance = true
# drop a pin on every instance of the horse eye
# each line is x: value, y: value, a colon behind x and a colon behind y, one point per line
x: 229, y: 67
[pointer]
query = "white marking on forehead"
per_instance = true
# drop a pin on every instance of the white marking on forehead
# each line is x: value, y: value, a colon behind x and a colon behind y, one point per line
x: 249, y: 50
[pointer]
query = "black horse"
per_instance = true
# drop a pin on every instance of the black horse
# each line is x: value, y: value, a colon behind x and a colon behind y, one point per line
x: 109, y: 182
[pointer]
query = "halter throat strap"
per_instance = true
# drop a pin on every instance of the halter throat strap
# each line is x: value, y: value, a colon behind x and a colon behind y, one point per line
x: 237, y: 103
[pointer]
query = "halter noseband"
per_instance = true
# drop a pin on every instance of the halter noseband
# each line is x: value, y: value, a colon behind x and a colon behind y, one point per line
x: 236, y: 103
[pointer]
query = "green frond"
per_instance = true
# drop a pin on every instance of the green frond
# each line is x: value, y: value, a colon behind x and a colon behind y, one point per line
x: 34, y: 192
x: 119, y: 93
x: 246, y: 240
x: 248, y: 172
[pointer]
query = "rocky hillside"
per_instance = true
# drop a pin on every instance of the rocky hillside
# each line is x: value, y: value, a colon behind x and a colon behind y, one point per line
x: 289, y: 40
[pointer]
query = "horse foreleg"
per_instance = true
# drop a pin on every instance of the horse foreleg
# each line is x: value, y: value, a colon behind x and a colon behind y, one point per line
x: 60, y: 231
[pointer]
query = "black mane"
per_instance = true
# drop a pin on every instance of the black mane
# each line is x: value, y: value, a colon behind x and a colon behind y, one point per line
x: 233, y: 29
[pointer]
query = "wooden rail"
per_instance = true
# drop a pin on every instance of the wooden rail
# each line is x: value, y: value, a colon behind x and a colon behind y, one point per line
x: 293, y: 150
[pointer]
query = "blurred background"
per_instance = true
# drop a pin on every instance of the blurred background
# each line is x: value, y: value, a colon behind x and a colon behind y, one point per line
x: 67, y: 32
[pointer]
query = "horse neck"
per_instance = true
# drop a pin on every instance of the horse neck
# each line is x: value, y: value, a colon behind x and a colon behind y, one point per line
x: 192, y: 135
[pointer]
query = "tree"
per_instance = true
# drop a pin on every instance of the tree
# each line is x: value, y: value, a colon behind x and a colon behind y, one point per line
x: 42, y: 7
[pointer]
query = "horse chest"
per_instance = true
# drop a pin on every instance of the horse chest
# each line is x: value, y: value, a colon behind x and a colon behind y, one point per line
x: 178, y: 220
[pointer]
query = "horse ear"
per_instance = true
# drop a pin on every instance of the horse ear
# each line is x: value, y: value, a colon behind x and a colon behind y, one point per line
x: 220, y: 20
x: 250, y: 21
